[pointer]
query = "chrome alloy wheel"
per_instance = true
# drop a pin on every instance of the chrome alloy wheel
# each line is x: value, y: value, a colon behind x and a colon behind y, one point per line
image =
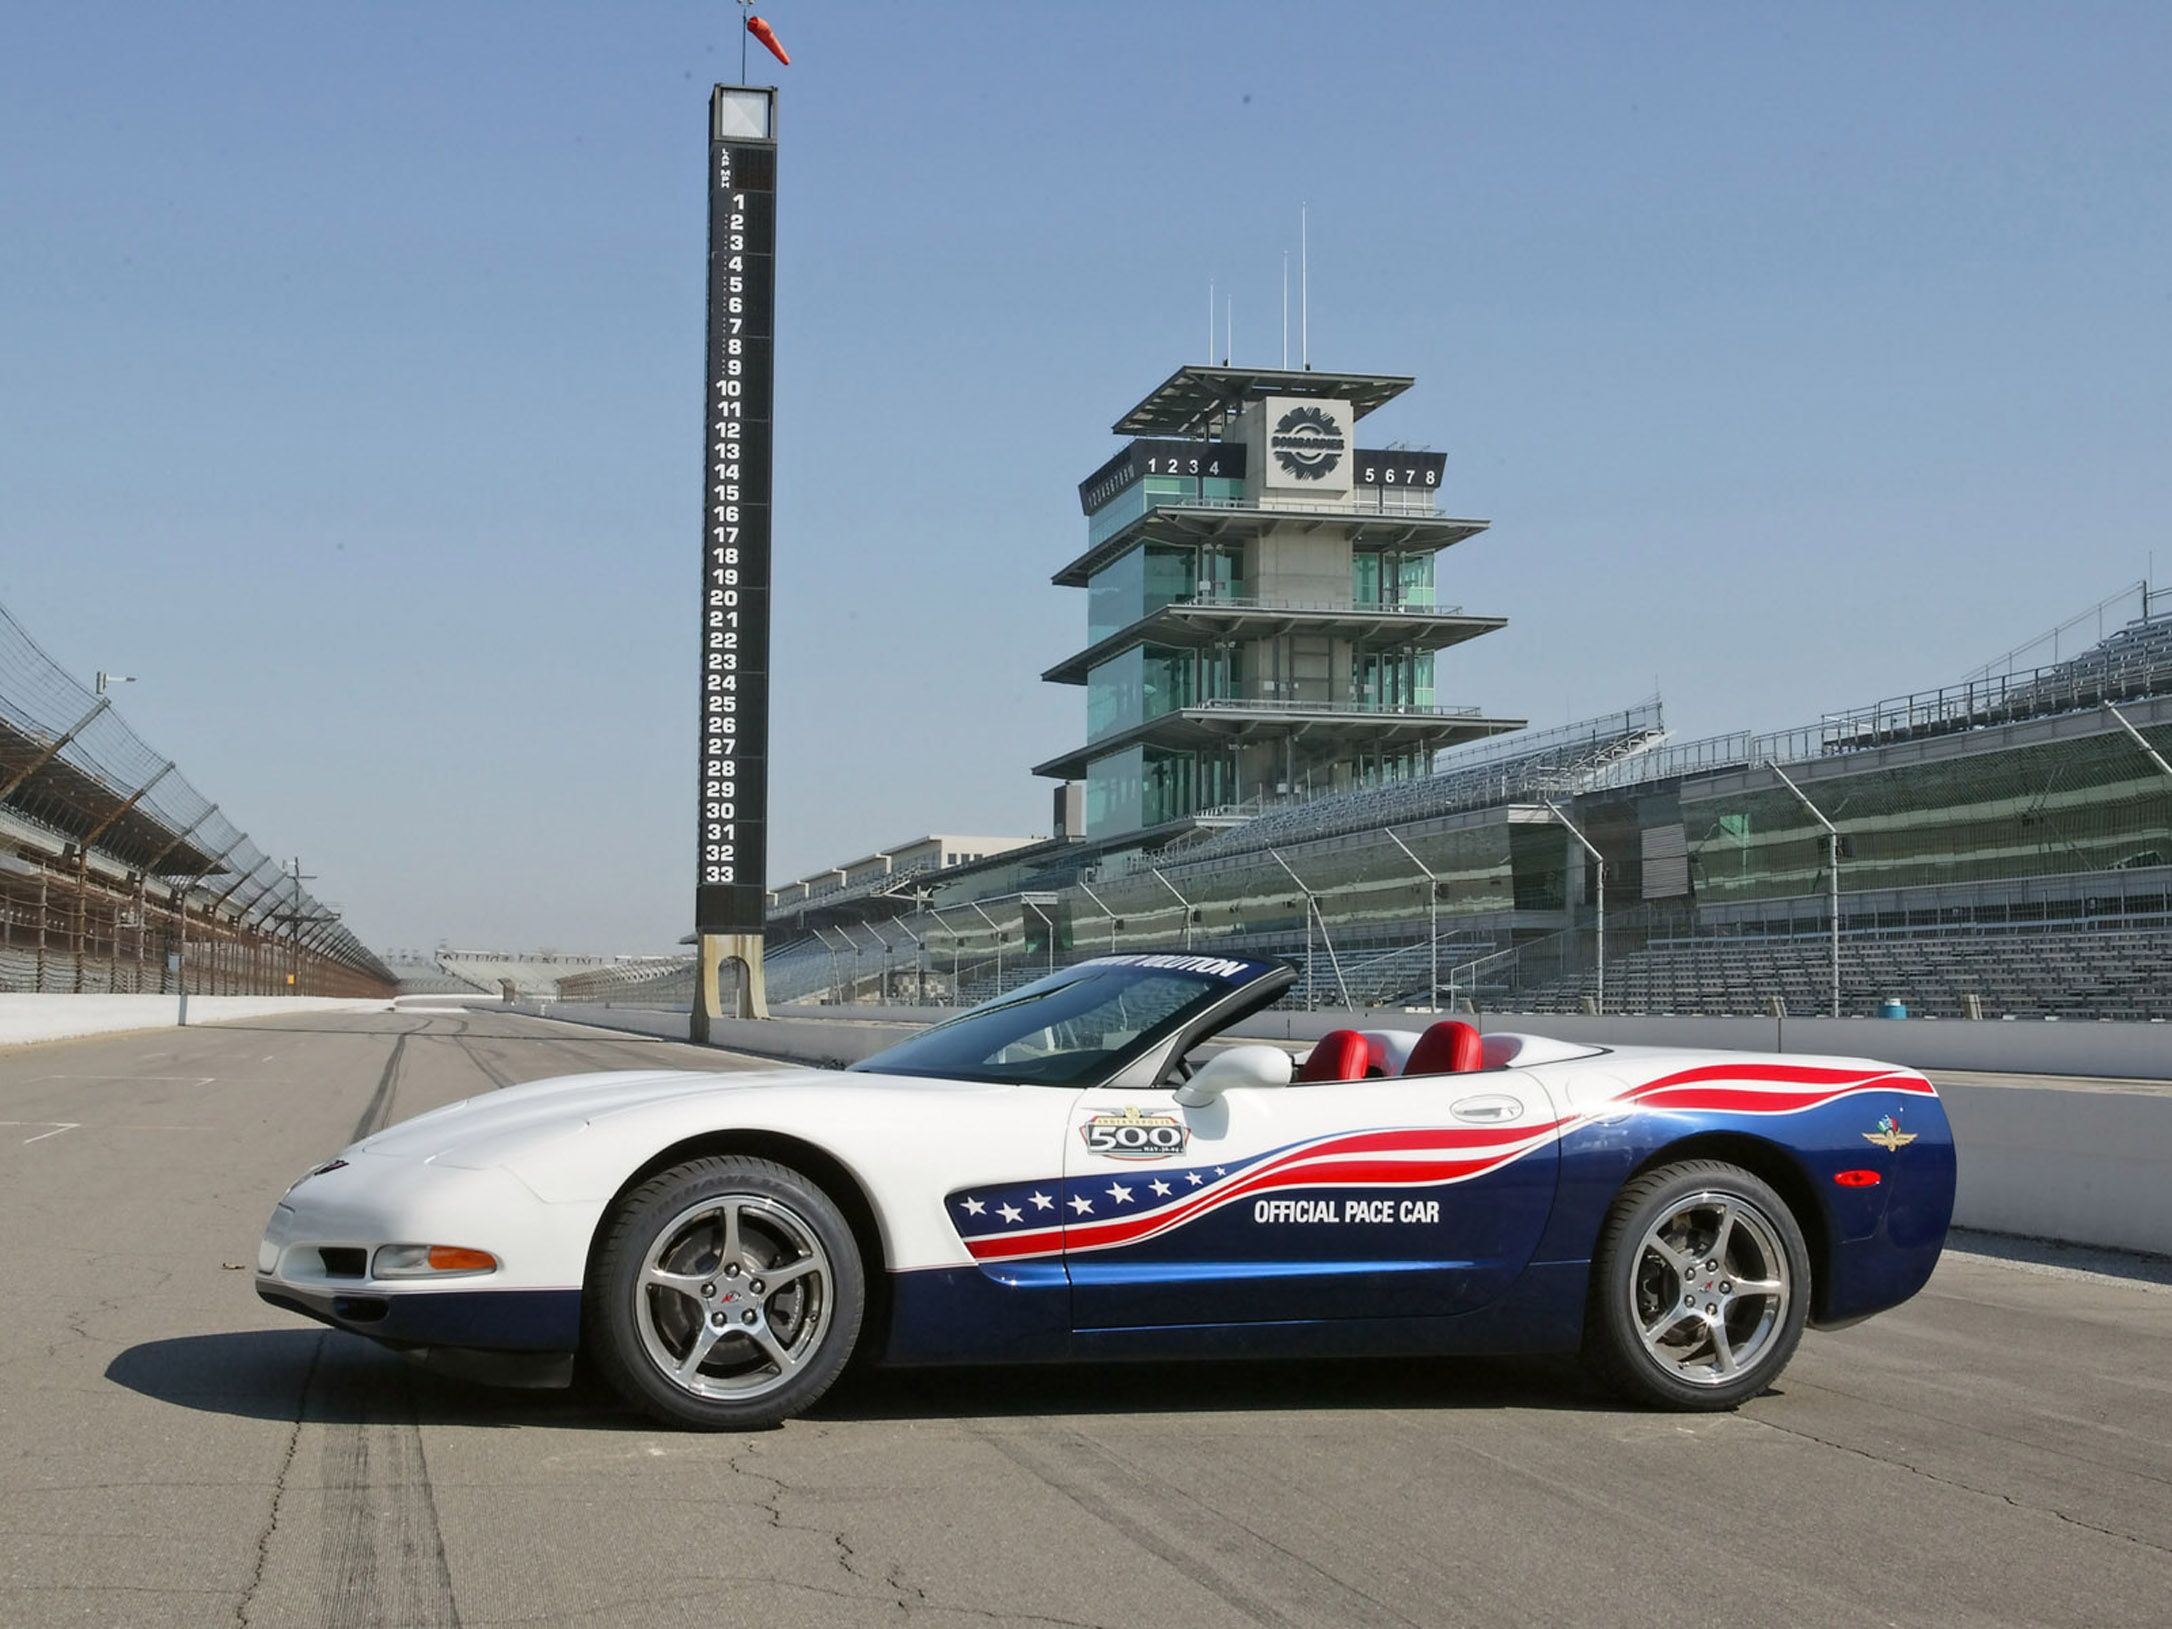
x: 734, y: 1295
x: 1710, y: 1288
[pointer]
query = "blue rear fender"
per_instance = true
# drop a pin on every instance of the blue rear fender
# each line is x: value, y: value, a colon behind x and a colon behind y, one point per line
x: 1872, y: 1244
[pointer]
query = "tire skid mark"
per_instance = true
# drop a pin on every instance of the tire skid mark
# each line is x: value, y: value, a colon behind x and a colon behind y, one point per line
x: 1198, y: 1541
x: 381, y: 1554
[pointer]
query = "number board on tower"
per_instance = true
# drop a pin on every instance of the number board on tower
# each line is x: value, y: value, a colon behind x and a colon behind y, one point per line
x: 1383, y: 468
x: 733, y: 841
x: 1208, y: 459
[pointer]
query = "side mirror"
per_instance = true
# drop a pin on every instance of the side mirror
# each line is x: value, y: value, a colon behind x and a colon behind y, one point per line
x: 1236, y: 1066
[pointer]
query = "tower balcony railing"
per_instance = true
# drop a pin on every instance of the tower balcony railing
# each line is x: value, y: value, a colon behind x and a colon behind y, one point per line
x: 1385, y: 500
x: 1411, y: 606
x: 1358, y: 709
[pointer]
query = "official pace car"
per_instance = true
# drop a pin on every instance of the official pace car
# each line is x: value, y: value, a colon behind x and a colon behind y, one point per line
x: 1079, y: 1171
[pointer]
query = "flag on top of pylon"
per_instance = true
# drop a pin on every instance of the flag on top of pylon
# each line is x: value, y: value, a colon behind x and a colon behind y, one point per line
x: 768, y: 36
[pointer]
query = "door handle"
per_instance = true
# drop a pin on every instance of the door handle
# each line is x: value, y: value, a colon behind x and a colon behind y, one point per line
x: 1486, y: 1108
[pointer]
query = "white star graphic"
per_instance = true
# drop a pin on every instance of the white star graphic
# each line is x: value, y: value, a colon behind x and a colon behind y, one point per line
x: 1221, y: 1170
x: 1194, y: 1178
x: 973, y: 1207
x: 1009, y: 1213
x: 1118, y: 1192
x: 1041, y: 1201
x: 1160, y: 1187
x: 1082, y: 1205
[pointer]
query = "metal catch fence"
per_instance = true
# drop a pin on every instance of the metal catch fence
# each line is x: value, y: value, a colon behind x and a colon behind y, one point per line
x: 117, y: 874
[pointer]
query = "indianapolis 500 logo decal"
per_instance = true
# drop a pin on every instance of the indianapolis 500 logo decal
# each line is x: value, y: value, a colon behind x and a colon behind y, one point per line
x: 1132, y: 1135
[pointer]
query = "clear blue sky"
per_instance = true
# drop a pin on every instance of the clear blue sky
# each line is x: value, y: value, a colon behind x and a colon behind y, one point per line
x: 350, y: 379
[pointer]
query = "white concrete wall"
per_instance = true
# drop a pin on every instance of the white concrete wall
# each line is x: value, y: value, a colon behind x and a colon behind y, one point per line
x: 25, y: 1018
x: 2091, y: 1166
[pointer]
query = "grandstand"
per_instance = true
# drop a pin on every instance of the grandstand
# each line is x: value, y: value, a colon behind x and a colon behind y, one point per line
x: 2107, y: 969
x: 530, y: 975
x: 1545, y: 764
x: 633, y: 981
x: 118, y: 876
x: 2005, y: 849
x: 419, y: 973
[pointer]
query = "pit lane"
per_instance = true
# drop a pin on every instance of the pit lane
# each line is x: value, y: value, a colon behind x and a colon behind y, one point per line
x: 174, y: 1452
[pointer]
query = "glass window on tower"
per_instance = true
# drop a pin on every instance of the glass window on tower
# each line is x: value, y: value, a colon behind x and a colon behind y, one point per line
x: 1115, y: 595
x: 1391, y: 579
x: 1414, y: 579
x: 1113, y: 792
x: 1150, y: 492
x: 1171, y: 575
x: 1364, y: 579
x: 1112, y: 693
x: 1392, y: 680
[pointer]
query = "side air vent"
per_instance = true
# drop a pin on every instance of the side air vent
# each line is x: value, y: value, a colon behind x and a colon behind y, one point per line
x: 344, y: 1260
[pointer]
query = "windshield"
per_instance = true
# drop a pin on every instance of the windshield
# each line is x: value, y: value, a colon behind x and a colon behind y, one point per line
x: 1073, y: 1027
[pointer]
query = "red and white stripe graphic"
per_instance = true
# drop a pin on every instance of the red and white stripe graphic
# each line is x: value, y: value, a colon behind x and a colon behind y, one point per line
x: 1436, y: 1156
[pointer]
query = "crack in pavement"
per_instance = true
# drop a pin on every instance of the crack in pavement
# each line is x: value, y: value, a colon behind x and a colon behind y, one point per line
x: 909, y: 1599
x: 242, y: 1607
x: 1964, y: 1487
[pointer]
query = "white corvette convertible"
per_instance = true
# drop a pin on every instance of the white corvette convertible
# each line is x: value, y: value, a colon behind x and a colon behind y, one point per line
x: 1080, y: 1171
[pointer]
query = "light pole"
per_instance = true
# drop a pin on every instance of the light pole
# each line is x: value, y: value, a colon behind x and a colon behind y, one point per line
x: 953, y: 932
x: 1313, y: 913
x: 974, y: 907
x: 1101, y: 905
x: 1598, y: 861
x: 1180, y: 899
x: 1432, y: 922
x: 1032, y: 902
x: 1832, y: 870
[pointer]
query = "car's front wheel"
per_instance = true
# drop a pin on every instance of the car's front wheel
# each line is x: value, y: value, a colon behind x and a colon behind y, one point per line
x: 725, y: 1294
x: 1700, y: 1287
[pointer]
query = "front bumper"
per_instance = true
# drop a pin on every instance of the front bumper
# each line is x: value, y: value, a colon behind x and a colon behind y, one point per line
x: 318, y: 1248
x: 476, y: 1320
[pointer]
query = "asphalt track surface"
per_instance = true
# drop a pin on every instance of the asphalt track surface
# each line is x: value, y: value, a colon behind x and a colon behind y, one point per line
x: 174, y: 1452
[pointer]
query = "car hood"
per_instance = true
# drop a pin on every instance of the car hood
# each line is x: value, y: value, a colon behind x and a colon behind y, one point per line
x: 479, y: 1129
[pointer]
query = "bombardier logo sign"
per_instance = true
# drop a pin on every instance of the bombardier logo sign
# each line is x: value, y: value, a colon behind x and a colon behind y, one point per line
x: 1307, y: 443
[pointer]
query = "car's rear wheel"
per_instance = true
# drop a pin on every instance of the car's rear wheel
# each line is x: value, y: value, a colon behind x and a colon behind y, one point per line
x: 725, y: 1294
x: 1700, y: 1288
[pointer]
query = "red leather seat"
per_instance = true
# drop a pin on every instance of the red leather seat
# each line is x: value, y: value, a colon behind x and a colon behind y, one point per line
x: 1450, y: 1047
x: 1341, y: 1054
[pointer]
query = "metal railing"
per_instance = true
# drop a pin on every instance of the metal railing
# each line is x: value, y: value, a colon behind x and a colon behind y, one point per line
x: 1277, y: 704
x: 1350, y: 607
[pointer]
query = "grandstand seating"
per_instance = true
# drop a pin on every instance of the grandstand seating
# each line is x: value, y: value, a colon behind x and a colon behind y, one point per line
x: 1555, y: 761
x: 635, y: 981
x: 2106, y: 971
x: 2142, y: 645
x: 533, y: 976
x: 418, y: 973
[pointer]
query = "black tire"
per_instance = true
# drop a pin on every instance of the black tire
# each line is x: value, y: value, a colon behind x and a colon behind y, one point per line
x: 766, y: 1351
x: 1724, y: 1343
